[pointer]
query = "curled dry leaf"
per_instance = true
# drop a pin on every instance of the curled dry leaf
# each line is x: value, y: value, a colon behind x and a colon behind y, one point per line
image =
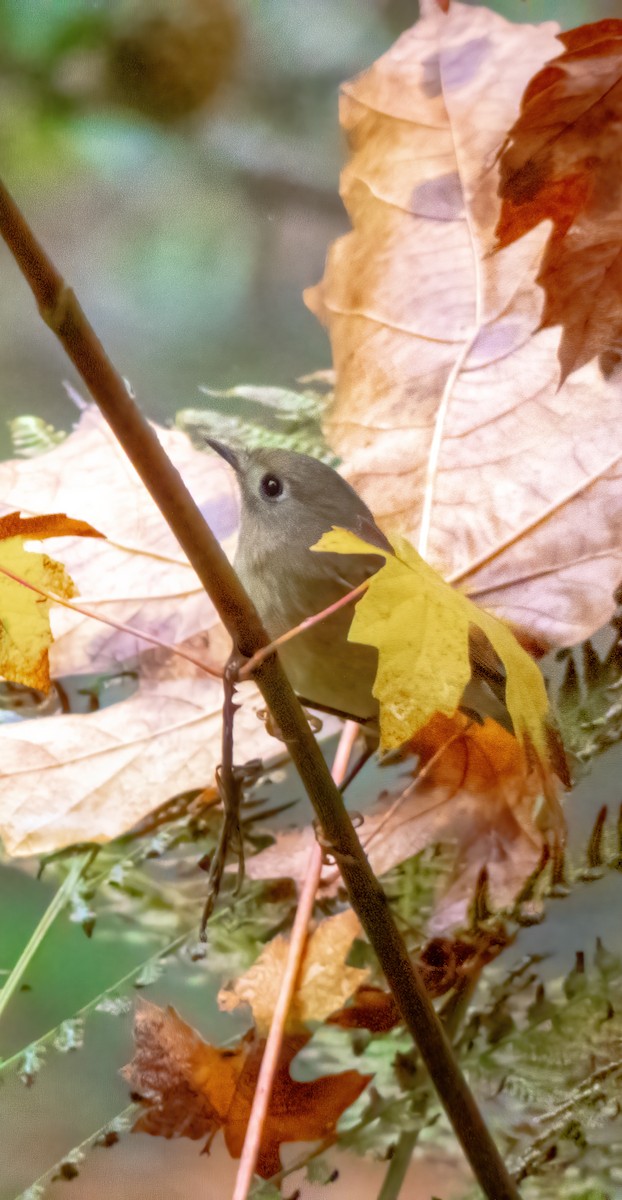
x: 324, y: 984
x: 192, y: 1089
x: 139, y: 576
x: 562, y: 163
x: 371, y: 1008
x: 452, y: 414
x: 483, y: 794
x: 444, y: 964
x: 25, y: 633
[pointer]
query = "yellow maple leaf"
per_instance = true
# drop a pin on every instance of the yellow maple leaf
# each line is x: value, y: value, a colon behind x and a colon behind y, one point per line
x: 420, y: 627
x: 25, y: 634
x: 324, y: 983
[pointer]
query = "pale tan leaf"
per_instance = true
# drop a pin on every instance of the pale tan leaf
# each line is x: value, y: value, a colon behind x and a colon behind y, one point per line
x: 288, y: 858
x: 448, y: 412
x: 325, y: 983
x: 91, y: 777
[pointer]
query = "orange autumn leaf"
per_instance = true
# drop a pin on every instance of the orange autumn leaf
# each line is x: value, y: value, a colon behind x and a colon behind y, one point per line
x: 46, y: 525
x: 561, y: 164
x: 484, y: 793
x: 191, y: 1089
x: 298, y: 1112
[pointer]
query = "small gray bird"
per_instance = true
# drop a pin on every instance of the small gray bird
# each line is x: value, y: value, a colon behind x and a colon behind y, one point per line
x: 288, y: 501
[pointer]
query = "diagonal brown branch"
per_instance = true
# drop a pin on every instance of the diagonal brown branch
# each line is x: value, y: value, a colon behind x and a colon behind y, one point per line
x: 61, y: 311
x: 297, y: 946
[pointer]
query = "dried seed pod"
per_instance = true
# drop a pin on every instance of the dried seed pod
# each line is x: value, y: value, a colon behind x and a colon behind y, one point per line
x: 168, y: 63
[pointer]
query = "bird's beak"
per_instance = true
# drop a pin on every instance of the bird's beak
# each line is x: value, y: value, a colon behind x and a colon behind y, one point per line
x: 225, y: 452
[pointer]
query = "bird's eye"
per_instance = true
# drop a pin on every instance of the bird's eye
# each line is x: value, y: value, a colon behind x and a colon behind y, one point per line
x: 271, y: 486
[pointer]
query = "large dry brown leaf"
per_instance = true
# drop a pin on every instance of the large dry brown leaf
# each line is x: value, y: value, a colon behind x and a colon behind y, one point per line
x: 448, y: 411
x: 139, y: 576
x: 90, y: 777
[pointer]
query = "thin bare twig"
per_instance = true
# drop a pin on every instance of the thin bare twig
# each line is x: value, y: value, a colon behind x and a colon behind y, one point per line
x: 230, y: 783
x: 85, y: 612
x: 60, y: 310
x: 297, y: 944
x: 56, y: 905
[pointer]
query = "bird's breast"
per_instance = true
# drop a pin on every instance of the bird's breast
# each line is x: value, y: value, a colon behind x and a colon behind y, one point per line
x: 322, y: 665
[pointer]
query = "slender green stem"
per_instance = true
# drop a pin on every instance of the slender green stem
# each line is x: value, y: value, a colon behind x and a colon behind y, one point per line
x: 394, y: 1178
x: 54, y: 907
x: 87, y: 1009
x: 119, y: 1124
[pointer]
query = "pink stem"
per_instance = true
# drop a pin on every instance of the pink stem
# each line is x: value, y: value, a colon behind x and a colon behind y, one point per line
x: 146, y: 637
x: 298, y: 941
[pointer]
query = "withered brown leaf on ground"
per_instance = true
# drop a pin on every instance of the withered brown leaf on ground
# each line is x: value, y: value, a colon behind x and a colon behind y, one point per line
x: 191, y: 1089
x: 448, y: 409
x: 562, y: 164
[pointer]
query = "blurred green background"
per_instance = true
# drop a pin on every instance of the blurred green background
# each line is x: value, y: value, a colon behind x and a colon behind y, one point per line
x: 180, y: 162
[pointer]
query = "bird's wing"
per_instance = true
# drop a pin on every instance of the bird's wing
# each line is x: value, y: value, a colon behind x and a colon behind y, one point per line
x: 350, y: 570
